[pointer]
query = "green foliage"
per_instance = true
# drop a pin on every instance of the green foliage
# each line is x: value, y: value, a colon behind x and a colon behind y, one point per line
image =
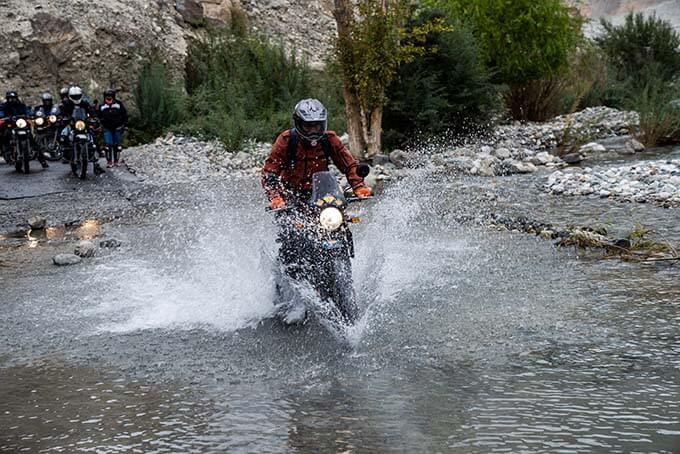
x: 444, y: 92
x: 244, y: 87
x: 642, y: 49
x: 374, y: 44
x: 158, y: 100
x: 521, y: 40
x: 527, y: 44
x: 658, y: 104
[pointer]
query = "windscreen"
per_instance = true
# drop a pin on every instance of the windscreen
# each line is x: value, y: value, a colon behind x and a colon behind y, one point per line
x: 324, y: 184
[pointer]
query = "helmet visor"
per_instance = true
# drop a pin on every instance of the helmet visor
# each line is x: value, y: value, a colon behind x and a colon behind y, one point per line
x: 76, y: 97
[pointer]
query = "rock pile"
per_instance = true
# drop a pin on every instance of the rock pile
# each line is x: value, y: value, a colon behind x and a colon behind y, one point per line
x: 524, y: 147
x: 645, y: 182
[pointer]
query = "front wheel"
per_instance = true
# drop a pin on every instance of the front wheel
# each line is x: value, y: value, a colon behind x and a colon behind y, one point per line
x: 339, y: 288
x: 82, y: 156
x: 23, y: 157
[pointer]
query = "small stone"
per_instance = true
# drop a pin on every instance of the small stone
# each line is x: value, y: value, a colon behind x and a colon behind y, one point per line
x: 572, y: 158
x: 592, y: 147
x: 636, y: 145
x: 398, y: 158
x: 37, y: 223
x: 380, y: 159
x: 110, y: 243
x: 502, y: 153
x: 85, y: 248
x: 66, y: 259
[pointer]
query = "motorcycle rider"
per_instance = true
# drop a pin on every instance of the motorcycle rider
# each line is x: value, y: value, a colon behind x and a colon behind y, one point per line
x: 68, y: 106
x: 47, y: 104
x: 11, y: 108
x: 114, y: 120
x: 287, y: 179
x: 296, y: 155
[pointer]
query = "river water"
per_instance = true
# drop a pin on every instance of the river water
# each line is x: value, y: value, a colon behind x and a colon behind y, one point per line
x: 471, y: 340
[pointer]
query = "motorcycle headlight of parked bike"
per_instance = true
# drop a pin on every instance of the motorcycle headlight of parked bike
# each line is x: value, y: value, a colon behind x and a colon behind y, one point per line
x: 39, y: 121
x: 53, y: 118
x: 21, y: 123
x: 80, y: 125
x: 330, y: 218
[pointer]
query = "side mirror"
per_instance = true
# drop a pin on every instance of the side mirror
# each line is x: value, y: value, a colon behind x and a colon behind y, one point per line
x: 363, y: 170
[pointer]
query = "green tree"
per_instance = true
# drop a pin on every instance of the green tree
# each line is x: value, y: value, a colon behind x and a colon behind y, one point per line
x: 522, y: 42
x: 372, y: 43
x: 445, y: 92
x: 641, y: 50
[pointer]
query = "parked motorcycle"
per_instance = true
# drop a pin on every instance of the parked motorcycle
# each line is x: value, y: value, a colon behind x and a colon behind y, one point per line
x: 84, y: 149
x: 47, y: 132
x: 317, y: 248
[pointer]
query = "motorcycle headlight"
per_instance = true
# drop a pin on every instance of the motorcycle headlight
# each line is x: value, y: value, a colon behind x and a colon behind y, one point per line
x: 53, y: 118
x: 330, y: 218
x: 21, y: 123
x: 39, y: 121
x: 80, y: 125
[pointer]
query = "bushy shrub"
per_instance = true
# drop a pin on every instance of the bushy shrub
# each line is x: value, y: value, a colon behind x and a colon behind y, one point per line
x: 526, y: 43
x: 641, y: 50
x: 443, y: 92
x: 159, y: 102
x: 246, y: 87
x: 658, y: 104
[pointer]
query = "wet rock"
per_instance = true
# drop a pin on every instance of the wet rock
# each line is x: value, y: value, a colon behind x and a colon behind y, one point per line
x: 380, y: 159
x: 85, y: 248
x: 592, y: 147
x: 398, y: 158
x: 110, y: 243
x: 37, y: 223
x: 502, y: 153
x: 66, y: 259
x: 635, y: 145
x: 572, y: 158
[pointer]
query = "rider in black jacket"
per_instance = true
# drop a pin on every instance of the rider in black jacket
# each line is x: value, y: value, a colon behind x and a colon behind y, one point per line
x: 114, y: 118
x: 14, y: 107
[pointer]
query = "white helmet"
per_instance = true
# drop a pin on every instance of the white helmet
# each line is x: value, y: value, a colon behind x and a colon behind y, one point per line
x: 75, y: 94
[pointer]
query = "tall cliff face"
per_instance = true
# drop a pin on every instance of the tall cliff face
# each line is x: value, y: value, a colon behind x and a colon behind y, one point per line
x: 47, y: 44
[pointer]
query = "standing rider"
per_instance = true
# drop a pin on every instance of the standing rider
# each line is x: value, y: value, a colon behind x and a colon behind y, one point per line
x: 284, y: 181
x: 11, y: 108
x: 114, y: 120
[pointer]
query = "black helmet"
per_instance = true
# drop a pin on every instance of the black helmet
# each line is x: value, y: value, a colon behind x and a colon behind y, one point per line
x: 110, y: 92
x: 12, y: 96
x: 310, y: 119
x: 47, y: 98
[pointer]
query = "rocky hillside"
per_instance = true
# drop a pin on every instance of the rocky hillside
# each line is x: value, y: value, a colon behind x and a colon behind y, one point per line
x: 47, y: 44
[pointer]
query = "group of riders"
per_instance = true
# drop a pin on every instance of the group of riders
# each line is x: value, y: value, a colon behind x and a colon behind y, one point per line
x: 51, y: 131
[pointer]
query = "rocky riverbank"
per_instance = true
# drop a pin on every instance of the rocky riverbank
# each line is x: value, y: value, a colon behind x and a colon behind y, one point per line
x: 526, y: 147
x: 644, y: 182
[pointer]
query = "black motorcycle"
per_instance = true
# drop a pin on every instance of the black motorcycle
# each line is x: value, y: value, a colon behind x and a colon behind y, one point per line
x: 20, y: 150
x: 47, y: 132
x: 317, y: 248
x: 84, y: 150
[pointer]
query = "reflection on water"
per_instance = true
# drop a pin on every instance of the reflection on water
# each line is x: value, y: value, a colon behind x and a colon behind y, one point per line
x: 55, y: 408
x: 89, y: 229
